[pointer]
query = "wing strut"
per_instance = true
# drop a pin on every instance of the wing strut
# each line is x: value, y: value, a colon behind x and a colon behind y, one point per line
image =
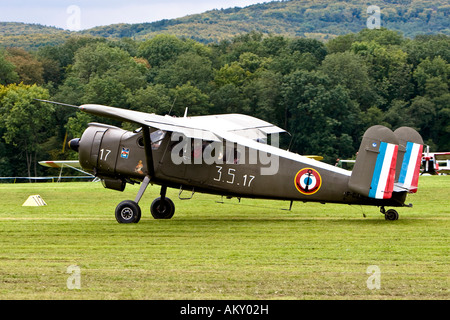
x: 148, y: 151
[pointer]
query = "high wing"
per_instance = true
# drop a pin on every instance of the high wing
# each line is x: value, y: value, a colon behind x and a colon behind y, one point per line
x: 198, y: 127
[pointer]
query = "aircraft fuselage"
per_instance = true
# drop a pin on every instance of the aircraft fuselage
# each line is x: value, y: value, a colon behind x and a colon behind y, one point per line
x: 117, y: 156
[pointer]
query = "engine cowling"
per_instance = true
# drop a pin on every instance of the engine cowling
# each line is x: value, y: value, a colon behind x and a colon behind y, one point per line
x: 112, y: 154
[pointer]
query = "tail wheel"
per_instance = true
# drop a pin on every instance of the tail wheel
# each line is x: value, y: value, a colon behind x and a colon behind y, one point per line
x: 391, y: 215
x: 128, y: 212
x: 162, y: 208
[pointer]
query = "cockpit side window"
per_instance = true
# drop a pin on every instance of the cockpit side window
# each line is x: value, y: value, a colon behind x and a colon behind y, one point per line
x: 157, y: 137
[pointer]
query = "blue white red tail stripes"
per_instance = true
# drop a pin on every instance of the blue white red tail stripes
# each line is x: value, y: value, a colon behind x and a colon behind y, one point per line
x: 409, y: 176
x: 384, y: 173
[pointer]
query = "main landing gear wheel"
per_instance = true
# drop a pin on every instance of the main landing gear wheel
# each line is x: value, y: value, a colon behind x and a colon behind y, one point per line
x: 128, y: 212
x: 391, y: 215
x: 162, y: 208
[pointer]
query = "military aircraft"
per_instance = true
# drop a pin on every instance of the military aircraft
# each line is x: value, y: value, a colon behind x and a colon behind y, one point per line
x: 230, y: 155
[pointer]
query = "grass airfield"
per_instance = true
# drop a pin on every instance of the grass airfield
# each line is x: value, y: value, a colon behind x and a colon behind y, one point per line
x: 230, y: 250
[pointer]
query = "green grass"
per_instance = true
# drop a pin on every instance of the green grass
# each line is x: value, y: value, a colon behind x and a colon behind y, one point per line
x: 208, y: 250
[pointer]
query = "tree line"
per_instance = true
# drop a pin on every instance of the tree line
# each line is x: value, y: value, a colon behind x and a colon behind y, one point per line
x: 325, y: 94
x: 319, y: 19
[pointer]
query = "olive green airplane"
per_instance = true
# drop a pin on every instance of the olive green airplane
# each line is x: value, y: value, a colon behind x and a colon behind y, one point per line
x: 237, y: 155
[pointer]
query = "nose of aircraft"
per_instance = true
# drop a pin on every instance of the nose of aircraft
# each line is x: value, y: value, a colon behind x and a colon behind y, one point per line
x: 74, y: 144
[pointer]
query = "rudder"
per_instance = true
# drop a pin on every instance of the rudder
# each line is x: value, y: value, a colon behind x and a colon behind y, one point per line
x: 409, y: 158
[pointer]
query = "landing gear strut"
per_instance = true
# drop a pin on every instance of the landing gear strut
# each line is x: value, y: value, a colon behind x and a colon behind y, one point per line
x: 391, y: 214
x: 128, y: 211
x: 162, y: 207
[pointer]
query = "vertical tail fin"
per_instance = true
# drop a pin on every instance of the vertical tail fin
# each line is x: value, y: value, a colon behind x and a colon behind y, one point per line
x: 410, y: 156
x: 374, y: 172
x: 387, y: 162
x: 383, y: 178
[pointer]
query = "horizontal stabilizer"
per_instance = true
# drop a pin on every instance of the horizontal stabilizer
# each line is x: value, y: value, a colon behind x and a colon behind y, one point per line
x: 400, y: 188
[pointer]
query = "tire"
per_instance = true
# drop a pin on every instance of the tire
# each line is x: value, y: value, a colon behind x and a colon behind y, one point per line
x: 162, y: 209
x: 391, y: 215
x: 128, y: 212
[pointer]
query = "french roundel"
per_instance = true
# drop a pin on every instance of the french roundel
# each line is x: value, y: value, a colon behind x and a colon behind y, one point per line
x: 308, y: 181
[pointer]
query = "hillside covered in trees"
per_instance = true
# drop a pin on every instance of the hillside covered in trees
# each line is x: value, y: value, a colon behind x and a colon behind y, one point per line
x: 325, y: 94
x: 317, y: 19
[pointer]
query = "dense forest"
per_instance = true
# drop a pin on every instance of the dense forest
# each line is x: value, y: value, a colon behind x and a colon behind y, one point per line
x: 317, y: 19
x: 326, y: 94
